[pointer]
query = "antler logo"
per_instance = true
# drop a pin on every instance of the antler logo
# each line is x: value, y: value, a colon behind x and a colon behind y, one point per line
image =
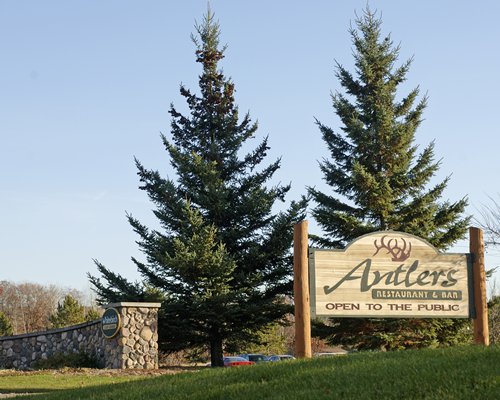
x: 399, y: 253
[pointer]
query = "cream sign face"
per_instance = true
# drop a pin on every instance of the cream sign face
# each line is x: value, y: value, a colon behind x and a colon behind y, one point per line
x: 389, y: 274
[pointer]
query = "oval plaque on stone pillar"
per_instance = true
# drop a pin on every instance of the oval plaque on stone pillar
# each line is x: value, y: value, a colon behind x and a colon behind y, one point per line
x: 111, y: 323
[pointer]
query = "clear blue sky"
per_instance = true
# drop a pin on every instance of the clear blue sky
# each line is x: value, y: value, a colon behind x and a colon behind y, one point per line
x: 85, y: 86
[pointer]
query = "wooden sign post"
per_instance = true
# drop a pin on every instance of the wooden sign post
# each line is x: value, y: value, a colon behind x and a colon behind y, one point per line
x: 301, y: 291
x: 481, y: 330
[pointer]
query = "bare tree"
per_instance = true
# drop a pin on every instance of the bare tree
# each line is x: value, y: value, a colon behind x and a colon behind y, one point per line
x: 494, y: 319
x: 29, y: 305
x: 490, y: 221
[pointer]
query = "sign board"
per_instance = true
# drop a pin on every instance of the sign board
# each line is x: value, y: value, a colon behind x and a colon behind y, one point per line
x: 389, y: 274
x: 111, y: 323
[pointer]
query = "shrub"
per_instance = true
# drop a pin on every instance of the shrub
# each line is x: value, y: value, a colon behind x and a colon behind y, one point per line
x: 71, y: 360
x: 5, y: 325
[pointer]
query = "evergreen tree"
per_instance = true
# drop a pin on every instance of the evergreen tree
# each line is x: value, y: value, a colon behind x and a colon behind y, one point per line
x: 70, y: 312
x: 379, y: 179
x: 201, y: 298
x: 92, y: 314
x: 223, y: 263
x: 273, y: 340
x: 5, y: 325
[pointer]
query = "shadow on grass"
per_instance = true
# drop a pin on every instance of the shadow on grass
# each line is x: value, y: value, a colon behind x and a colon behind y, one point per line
x: 134, y: 389
x: 26, y: 391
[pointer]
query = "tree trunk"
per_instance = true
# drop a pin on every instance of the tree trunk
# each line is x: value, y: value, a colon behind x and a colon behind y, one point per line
x: 216, y: 352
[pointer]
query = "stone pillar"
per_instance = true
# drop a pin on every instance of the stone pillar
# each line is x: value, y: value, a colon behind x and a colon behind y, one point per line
x: 135, y: 345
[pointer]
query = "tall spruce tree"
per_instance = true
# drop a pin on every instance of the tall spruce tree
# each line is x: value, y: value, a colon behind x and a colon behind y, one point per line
x: 221, y: 261
x: 379, y: 179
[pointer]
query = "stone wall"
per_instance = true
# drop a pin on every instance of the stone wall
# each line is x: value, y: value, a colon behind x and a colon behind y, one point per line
x: 135, y: 345
x: 23, y: 351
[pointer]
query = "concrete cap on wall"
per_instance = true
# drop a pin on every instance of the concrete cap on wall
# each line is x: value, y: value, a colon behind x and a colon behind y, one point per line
x: 133, y: 304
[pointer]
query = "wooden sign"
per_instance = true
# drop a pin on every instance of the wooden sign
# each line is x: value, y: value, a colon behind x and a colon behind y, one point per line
x: 391, y: 275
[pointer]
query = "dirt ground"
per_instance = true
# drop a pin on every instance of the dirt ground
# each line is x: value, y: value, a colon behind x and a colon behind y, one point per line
x: 105, y: 372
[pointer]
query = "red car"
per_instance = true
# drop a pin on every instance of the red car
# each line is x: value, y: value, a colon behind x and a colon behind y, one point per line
x: 233, y: 361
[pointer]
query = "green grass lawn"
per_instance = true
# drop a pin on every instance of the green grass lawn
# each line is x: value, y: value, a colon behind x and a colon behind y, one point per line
x: 49, y: 381
x: 454, y: 373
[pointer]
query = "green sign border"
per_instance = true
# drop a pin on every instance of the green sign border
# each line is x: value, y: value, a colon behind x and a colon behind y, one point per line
x: 118, y: 326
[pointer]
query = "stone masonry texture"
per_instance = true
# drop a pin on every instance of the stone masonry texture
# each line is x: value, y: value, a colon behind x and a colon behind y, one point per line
x: 135, y: 345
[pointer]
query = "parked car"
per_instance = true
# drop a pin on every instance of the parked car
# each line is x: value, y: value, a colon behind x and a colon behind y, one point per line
x: 234, y: 361
x: 254, y: 357
x: 280, y: 357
